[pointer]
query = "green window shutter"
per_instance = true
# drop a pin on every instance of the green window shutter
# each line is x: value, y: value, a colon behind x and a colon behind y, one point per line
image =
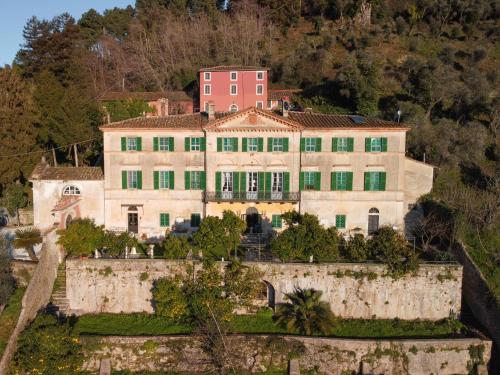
x: 187, y: 180
x: 349, y: 181
x: 155, y: 143
x: 318, y: 144
x: 276, y: 221
x: 244, y: 147
x: 219, y: 144
x: 187, y: 144
x: 286, y: 182
x: 382, y: 179
x: 301, y: 181
x: 268, y: 181
x: 139, y: 180
x: 285, y: 144
x: 124, y: 143
x: 203, y: 144
x: 260, y: 176
x: 124, y: 179
x: 218, y: 181
x: 350, y: 144
x: 156, y: 179
x: 171, y: 181
x: 260, y: 144
x: 302, y: 144
x: 243, y: 181
x: 368, y: 144
x: 367, y: 181
x: 203, y: 180
x: 383, y: 143
x: 334, y: 144
x: 269, y: 144
x: 139, y: 144
x: 333, y: 182
x: 164, y: 219
x: 340, y: 221
x: 236, y: 181
x: 317, y: 181
x: 235, y: 144
x: 171, y: 144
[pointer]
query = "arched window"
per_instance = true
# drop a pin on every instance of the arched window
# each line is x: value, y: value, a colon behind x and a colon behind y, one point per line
x: 233, y: 108
x: 71, y: 190
x: 373, y: 220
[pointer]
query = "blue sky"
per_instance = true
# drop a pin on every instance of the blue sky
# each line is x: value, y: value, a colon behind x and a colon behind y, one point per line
x: 14, y: 14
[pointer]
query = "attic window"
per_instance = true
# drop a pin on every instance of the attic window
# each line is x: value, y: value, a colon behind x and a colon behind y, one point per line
x: 71, y: 190
x: 252, y: 118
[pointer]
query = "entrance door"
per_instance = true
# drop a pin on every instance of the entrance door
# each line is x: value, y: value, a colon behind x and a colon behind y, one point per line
x: 253, y: 220
x: 373, y: 220
x: 133, y: 222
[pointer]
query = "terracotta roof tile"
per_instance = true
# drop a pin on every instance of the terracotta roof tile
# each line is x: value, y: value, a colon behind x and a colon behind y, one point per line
x: 223, y: 68
x: 279, y: 94
x: 174, y: 96
x: 311, y: 120
x: 65, y: 202
x: 43, y: 171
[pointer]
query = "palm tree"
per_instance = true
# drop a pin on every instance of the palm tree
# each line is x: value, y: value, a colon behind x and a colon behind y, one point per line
x: 27, y: 239
x: 305, y: 313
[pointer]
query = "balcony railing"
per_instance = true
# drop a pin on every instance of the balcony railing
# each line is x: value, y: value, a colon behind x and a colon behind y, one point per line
x: 250, y: 196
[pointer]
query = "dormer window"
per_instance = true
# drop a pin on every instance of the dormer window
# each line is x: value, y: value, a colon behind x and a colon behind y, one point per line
x: 208, y: 76
x: 71, y: 190
x: 234, y: 76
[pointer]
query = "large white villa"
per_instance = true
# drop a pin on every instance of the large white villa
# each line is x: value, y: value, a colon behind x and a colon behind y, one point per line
x: 168, y: 171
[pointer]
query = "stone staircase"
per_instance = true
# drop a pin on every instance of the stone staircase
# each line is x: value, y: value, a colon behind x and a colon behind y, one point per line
x: 59, y: 301
x: 255, y: 246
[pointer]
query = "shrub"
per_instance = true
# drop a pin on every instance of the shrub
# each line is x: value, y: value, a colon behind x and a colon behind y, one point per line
x: 48, y: 347
x: 169, y: 299
x: 305, y: 236
x: 356, y: 248
x: 7, y: 282
x: 81, y: 237
x: 391, y: 248
x: 175, y: 247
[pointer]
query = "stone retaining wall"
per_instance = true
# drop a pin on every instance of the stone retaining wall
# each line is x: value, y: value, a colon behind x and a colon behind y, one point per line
x: 322, y: 355
x: 357, y: 290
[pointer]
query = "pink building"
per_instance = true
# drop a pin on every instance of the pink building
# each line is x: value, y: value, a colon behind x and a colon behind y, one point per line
x: 233, y: 88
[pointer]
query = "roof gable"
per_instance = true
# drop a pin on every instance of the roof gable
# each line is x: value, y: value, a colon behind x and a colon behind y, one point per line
x: 253, y: 119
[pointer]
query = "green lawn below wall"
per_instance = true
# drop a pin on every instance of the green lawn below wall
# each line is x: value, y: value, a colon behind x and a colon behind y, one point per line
x: 262, y: 323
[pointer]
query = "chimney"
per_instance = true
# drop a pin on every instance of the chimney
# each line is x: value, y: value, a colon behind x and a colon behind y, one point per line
x: 163, y: 107
x: 285, y: 106
x: 211, y: 111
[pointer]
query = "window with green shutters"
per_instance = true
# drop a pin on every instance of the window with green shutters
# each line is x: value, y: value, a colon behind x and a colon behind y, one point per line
x: 277, y: 144
x: 163, y: 144
x: 131, y: 180
x: 310, y: 181
x: 195, y: 220
x: 164, y: 219
x: 194, y: 144
x: 276, y: 221
x: 310, y: 144
x: 131, y: 143
x: 341, y: 181
x: 343, y: 144
x: 376, y: 144
x: 163, y: 180
x: 375, y: 181
x: 227, y: 144
x: 194, y: 180
x: 340, y: 221
x: 252, y: 145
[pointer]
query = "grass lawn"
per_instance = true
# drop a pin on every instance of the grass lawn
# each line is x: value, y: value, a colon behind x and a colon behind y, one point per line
x: 262, y: 323
x: 9, y: 317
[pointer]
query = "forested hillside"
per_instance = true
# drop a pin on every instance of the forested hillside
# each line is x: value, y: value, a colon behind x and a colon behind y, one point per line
x: 436, y: 61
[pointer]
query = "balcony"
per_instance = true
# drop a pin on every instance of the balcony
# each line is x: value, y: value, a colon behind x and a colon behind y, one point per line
x: 250, y: 196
